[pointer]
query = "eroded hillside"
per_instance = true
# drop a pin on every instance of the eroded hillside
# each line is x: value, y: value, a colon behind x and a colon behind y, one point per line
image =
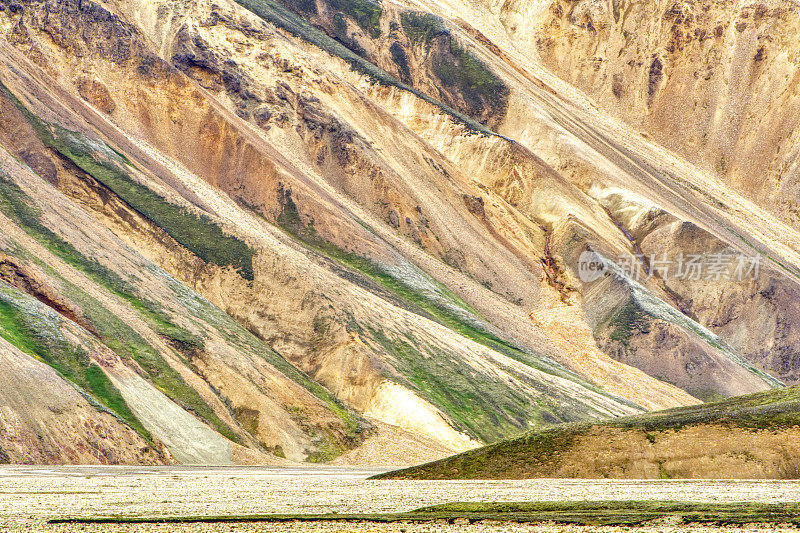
x: 265, y: 231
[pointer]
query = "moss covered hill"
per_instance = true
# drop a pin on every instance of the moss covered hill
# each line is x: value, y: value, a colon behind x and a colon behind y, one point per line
x: 317, y: 230
x: 753, y: 436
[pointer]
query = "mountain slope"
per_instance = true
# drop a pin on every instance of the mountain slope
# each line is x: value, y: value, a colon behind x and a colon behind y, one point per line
x: 45, y: 420
x: 301, y: 223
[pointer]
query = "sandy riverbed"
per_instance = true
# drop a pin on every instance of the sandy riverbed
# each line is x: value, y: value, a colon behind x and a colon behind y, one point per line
x: 29, y: 496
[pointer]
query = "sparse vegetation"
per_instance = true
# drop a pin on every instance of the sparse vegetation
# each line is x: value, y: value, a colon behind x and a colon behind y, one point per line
x: 115, y: 334
x: 588, y: 513
x: 627, y: 321
x: 478, y: 85
x: 487, y: 409
x: 400, y: 59
x: 415, y: 300
x: 15, y: 204
x: 460, y: 70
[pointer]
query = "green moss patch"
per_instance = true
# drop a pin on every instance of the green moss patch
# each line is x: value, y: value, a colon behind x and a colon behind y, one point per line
x: 459, y: 70
x: 476, y: 83
x: 629, y: 320
x: 39, y: 336
x: 365, y: 13
x: 196, y: 232
x: 421, y: 28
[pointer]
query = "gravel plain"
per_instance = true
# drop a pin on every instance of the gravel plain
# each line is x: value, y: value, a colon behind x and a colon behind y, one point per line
x: 29, y: 496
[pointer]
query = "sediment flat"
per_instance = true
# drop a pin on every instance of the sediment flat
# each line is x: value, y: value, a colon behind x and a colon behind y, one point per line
x: 30, y: 496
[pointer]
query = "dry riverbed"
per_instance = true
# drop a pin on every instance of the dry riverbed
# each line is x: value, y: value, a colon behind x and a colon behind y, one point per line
x: 30, y: 496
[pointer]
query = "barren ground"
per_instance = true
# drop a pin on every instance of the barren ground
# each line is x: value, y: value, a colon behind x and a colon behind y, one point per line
x: 29, y: 496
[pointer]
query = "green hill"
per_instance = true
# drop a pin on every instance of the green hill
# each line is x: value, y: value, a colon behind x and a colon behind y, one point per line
x: 753, y: 436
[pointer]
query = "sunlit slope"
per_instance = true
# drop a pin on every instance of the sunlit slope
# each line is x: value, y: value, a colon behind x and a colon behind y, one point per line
x: 601, y: 155
x: 381, y: 333
x: 303, y: 223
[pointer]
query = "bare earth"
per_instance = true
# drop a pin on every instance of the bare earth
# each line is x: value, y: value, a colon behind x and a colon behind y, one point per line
x: 29, y: 496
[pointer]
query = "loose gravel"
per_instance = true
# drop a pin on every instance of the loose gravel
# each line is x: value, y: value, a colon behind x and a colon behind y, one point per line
x: 29, y: 496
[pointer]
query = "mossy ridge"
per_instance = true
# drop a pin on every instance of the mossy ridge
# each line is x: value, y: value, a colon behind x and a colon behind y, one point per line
x: 476, y: 83
x: 15, y: 204
x: 643, y: 308
x: 769, y: 410
x: 196, y: 232
x: 41, y: 338
x: 117, y: 335
x: 282, y: 17
x: 587, y: 513
x: 534, y: 451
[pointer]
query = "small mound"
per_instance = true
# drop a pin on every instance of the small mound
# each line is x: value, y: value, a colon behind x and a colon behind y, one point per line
x: 753, y: 436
